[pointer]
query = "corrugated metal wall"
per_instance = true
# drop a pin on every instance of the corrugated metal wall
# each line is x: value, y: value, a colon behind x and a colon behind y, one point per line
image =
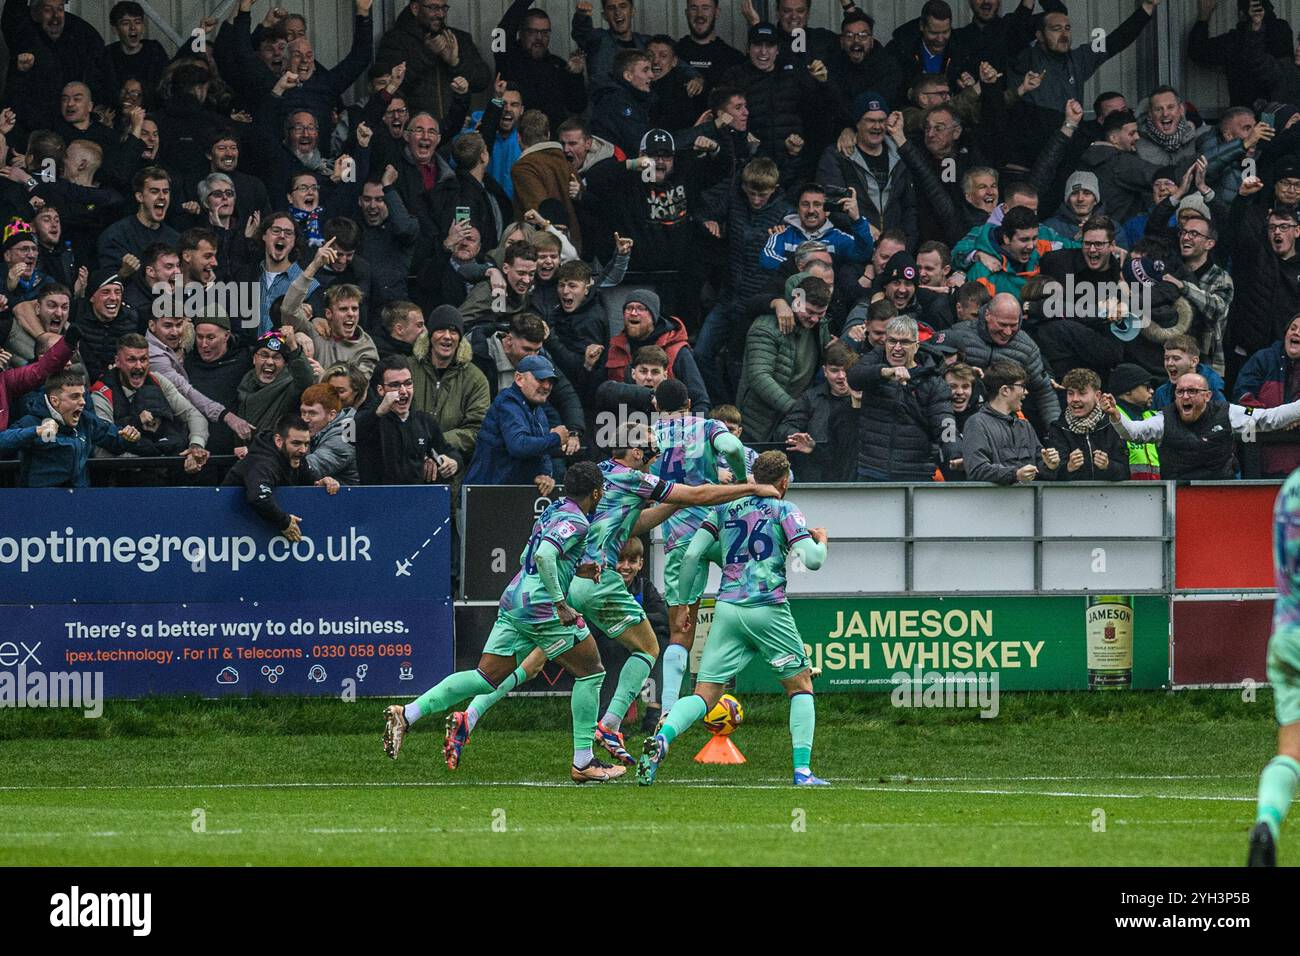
x: 330, y: 25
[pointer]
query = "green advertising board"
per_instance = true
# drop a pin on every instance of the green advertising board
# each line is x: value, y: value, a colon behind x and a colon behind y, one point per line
x: 1031, y: 642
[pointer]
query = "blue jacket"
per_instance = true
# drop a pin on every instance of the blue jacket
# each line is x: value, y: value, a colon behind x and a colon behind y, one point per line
x: 1165, y: 393
x: 62, y: 462
x: 845, y: 247
x: 515, y: 442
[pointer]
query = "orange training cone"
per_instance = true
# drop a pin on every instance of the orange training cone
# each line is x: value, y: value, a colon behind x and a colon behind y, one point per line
x: 719, y: 750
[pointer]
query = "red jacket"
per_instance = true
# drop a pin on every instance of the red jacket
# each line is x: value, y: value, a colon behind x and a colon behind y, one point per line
x: 620, y: 350
x: 17, y: 382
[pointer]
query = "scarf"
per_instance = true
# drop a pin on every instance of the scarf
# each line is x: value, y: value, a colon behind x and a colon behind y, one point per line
x: 310, y: 222
x: 1168, y: 142
x: 1085, y: 425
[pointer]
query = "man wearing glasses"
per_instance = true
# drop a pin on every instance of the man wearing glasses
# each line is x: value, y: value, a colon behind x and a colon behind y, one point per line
x: 1208, y: 287
x: 1195, y: 433
x: 548, y: 83
x: 223, y: 157
x: 997, y: 444
x: 434, y: 54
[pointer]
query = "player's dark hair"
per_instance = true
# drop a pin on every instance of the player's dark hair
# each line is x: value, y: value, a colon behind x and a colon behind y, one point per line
x: 770, y: 467
x: 582, y: 479
x: 671, y: 396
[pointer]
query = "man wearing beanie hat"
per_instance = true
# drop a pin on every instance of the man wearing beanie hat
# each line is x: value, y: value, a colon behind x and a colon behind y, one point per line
x: 881, y: 181
x: 1133, y: 388
x: 103, y: 318
x: 216, y: 366
x: 644, y: 325
x: 448, y: 385
x: 1259, y: 35
x: 1123, y: 177
x: 1082, y: 201
x: 23, y: 278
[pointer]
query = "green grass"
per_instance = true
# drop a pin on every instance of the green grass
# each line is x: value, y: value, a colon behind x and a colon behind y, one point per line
x: 305, y: 782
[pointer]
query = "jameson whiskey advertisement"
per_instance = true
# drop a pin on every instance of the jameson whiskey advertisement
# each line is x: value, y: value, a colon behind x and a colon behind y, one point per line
x: 1109, y: 630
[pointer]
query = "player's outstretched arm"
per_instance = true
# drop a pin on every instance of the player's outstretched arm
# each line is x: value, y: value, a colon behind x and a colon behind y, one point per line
x: 1265, y: 419
x: 653, y: 517
x: 718, y: 494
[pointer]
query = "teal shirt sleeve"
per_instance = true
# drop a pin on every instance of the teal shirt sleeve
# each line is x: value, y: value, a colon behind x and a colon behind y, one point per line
x: 811, y: 553
x: 691, y: 566
x: 548, y: 571
x: 733, y: 450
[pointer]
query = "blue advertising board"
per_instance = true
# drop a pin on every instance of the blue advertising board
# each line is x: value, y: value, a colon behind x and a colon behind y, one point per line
x: 183, y: 590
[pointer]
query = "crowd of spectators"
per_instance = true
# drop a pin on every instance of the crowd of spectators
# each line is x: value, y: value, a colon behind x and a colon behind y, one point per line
x: 451, y: 257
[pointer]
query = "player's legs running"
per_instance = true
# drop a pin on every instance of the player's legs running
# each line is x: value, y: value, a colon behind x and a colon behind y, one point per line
x: 492, y: 671
x: 461, y: 723
x: 1277, y: 784
x: 583, y: 662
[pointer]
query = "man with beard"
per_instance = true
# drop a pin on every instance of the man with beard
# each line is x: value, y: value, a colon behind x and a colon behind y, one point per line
x: 812, y: 221
x: 821, y: 430
x: 1265, y: 273
x: 396, y: 443
x: 55, y: 439
x: 165, y: 340
x: 277, y: 459
x: 702, y: 48
x: 345, y: 342
x: 547, y: 82
x: 1206, y: 286
x: 128, y: 394
x: 1074, y: 331
x: 77, y: 121
x: 388, y: 236
x: 102, y: 319
x: 861, y: 64
x: 1268, y: 379
x: 435, y: 55
x: 1195, y: 434
x: 272, y: 387
x: 215, y: 367
x: 274, y: 274
x: 153, y: 191
x: 900, y: 283
x: 47, y: 313
x: 1086, y: 449
x: 644, y: 323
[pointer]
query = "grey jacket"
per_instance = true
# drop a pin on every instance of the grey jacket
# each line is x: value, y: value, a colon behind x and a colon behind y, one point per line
x: 972, y: 338
x: 994, y: 445
x: 333, y: 451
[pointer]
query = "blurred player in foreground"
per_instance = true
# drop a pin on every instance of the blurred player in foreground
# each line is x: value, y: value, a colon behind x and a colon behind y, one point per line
x: 752, y: 615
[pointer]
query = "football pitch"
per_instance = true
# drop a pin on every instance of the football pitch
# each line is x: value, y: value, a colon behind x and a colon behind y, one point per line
x: 1054, y: 780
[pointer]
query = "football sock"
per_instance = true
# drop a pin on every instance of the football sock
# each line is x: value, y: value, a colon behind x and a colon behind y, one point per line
x: 1277, y: 785
x: 584, y: 703
x: 630, y: 680
x: 481, y: 704
x: 448, y: 691
x: 675, y: 660
x: 688, y: 711
x: 803, y: 719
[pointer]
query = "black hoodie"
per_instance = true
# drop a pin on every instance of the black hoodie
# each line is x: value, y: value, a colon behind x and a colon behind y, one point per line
x: 262, y: 470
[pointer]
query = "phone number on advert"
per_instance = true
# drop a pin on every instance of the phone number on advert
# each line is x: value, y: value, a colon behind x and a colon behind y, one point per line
x: 361, y: 650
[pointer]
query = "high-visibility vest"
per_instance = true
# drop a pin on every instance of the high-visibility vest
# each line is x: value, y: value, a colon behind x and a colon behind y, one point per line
x: 1143, y: 458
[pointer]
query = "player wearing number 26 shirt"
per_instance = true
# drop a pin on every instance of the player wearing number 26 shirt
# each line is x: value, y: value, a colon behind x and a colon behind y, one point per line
x: 752, y: 616
x: 1277, y: 783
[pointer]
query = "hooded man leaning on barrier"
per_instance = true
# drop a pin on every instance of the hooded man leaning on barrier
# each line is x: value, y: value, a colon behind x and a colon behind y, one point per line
x: 274, y: 460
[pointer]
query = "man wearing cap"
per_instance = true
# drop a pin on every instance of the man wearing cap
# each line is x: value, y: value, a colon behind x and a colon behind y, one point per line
x: 620, y: 112
x: 1123, y: 177
x: 102, y: 319
x: 398, y: 444
x: 1265, y: 275
x: 448, y: 385
x: 215, y: 367
x: 23, y: 280
x: 788, y: 102
x: 516, y: 441
x: 166, y: 338
x: 1133, y: 386
x: 900, y: 281
x: 875, y: 172
x: 272, y: 387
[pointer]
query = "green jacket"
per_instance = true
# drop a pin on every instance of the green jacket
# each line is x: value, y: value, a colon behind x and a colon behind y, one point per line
x: 458, y: 400
x: 262, y: 406
x: 777, y: 370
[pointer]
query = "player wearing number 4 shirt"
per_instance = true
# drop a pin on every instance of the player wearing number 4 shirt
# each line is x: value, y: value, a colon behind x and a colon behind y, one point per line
x: 534, y: 615
x: 752, y: 616
x: 1277, y: 784
x: 690, y: 451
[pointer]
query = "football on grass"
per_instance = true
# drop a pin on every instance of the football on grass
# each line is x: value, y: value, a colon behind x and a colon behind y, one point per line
x: 725, y: 717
